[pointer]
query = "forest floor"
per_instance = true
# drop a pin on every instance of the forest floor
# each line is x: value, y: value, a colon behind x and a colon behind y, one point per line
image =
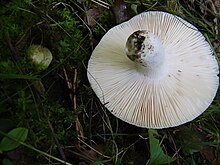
x: 52, y: 115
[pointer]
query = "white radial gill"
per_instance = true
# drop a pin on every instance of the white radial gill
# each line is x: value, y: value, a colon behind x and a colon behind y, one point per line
x: 163, y: 75
x: 147, y: 51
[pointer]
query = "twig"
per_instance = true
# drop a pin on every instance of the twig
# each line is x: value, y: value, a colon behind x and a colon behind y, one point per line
x: 78, y: 125
x: 72, y: 87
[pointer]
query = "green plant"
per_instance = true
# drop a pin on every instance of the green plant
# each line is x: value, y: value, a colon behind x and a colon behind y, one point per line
x: 157, y: 155
x: 8, y: 144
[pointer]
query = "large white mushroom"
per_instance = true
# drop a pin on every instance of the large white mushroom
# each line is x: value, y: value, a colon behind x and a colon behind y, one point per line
x: 155, y: 71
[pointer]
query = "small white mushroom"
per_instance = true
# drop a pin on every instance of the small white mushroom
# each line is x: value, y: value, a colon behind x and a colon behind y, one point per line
x: 39, y: 56
x: 155, y: 71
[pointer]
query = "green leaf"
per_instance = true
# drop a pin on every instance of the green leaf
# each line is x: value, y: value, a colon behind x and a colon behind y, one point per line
x: 12, y: 139
x: 157, y: 155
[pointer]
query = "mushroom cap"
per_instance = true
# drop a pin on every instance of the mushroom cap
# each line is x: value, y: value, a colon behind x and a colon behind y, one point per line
x: 39, y: 56
x: 179, y: 96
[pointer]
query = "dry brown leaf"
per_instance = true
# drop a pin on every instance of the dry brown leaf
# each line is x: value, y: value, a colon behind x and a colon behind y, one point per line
x: 91, y: 15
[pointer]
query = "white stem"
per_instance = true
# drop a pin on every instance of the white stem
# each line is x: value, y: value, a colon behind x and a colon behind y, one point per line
x: 146, y: 50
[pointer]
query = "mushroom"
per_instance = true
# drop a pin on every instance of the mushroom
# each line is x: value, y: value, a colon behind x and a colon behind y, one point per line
x: 154, y: 71
x: 39, y: 56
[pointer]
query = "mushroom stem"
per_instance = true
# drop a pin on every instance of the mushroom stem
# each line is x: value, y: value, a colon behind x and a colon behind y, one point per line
x: 147, y: 51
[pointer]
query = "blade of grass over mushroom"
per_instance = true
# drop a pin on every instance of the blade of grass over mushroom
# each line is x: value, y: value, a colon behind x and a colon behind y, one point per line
x: 197, y: 18
x: 187, y: 11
